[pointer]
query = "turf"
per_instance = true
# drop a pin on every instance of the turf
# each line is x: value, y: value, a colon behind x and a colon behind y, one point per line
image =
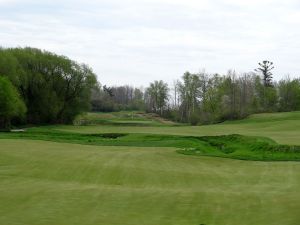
x: 58, y: 183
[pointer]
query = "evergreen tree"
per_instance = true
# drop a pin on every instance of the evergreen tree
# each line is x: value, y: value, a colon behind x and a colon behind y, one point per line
x: 265, y: 68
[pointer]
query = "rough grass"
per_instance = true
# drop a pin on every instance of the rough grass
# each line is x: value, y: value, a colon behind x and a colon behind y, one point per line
x: 47, y: 183
x: 243, y: 147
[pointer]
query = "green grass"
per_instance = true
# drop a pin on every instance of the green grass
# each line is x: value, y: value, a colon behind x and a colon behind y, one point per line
x: 243, y: 147
x: 47, y: 183
x: 128, y: 170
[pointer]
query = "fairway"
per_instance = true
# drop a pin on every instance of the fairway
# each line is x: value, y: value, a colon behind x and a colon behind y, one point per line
x: 58, y: 184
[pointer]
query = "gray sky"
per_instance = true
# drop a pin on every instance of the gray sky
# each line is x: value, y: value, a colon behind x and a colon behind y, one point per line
x: 138, y: 41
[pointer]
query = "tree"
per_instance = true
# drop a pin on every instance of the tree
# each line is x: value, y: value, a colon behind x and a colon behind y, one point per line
x: 269, y: 94
x: 189, y: 93
x: 54, y: 88
x: 116, y: 98
x: 289, y: 94
x: 157, y: 96
x: 11, y: 104
x: 176, y: 99
x: 265, y: 68
x: 211, y: 103
x: 230, y: 99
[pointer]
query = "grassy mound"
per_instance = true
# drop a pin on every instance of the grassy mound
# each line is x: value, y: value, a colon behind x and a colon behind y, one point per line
x: 243, y: 147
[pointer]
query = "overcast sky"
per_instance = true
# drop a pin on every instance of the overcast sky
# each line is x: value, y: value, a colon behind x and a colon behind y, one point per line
x: 138, y: 41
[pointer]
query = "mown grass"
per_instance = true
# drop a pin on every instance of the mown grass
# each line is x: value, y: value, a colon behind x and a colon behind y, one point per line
x: 47, y: 183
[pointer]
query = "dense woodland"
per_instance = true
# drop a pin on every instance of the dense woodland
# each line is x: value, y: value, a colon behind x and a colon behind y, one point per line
x: 39, y: 87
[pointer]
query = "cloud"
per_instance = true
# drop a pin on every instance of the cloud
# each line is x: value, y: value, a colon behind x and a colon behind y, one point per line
x: 137, y: 41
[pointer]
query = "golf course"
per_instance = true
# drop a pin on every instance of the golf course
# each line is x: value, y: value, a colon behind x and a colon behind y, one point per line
x: 149, y: 112
x: 137, y: 169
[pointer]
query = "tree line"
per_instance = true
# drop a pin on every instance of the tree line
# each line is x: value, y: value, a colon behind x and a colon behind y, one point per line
x: 202, y: 98
x: 40, y: 87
